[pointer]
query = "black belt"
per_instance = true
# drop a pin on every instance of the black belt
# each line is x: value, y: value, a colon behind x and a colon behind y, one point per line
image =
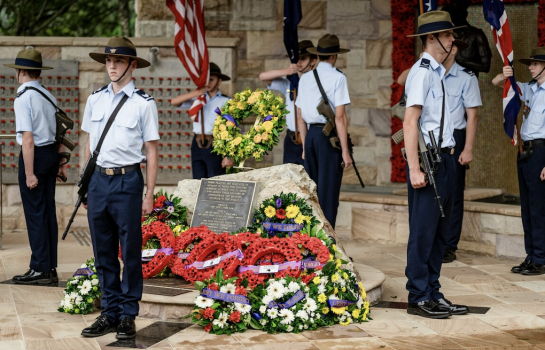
x: 447, y: 150
x: 117, y: 171
x: 533, y: 144
x: 464, y: 129
x: 316, y: 125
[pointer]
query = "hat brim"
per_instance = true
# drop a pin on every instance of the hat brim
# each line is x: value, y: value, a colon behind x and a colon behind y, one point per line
x: 221, y: 76
x: 101, y: 58
x: 528, y: 61
x: 435, y: 31
x: 303, y: 54
x: 314, y: 50
x: 16, y: 66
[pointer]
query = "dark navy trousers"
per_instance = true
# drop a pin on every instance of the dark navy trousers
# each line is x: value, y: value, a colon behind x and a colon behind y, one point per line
x: 114, y: 213
x: 39, y: 208
x: 428, y: 232
x: 323, y: 165
x: 458, y: 207
x: 532, y: 200
x: 204, y: 163
x: 292, y: 153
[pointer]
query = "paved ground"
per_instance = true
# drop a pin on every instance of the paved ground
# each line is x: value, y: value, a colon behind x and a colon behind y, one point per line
x: 29, y: 320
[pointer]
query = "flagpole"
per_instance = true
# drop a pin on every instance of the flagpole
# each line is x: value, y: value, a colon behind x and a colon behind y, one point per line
x: 421, y: 2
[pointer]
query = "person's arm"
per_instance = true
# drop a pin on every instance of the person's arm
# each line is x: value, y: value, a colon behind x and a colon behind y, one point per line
x: 471, y: 129
x: 402, y: 79
x: 410, y: 130
x: 500, y: 78
x: 178, y: 100
x: 341, y: 123
x: 302, y: 127
x: 269, y: 76
x: 28, y: 159
x: 151, y: 175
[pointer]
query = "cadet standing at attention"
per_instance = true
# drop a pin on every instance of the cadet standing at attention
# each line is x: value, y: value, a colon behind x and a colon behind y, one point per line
x: 323, y: 162
x: 531, y: 162
x: 204, y: 163
x: 36, y: 127
x: 464, y: 97
x: 276, y: 80
x: 427, y: 107
x: 115, y: 205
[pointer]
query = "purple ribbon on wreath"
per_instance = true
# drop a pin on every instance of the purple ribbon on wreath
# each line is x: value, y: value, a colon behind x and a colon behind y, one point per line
x: 267, y: 118
x: 226, y: 116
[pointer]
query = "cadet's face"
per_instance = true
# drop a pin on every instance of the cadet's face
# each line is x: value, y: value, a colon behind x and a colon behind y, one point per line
x: 116, y: 65
x: 212, y: 83
x: 303, y: 63
x: 536, y: 67
x: 447, y: 38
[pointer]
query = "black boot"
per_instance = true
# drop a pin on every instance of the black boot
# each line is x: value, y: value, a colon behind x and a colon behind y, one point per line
x: 454, y: 309
x: 102, y: 326
x: 126, y: 329
x: 523, y: 266
x: 534, y: 269
x: 450, y: 256
x: 429, y: 309
x: 34, y: 277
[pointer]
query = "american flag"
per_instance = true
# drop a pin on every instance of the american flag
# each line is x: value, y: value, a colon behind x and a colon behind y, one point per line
x: 494, y: 13
x: 430, y: 5
x: 190, y: 45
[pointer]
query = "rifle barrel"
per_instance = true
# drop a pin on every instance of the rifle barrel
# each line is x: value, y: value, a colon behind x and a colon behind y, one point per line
x: 78, y: 203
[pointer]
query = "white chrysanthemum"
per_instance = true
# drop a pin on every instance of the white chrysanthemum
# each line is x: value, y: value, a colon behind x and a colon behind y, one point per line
x: 324, y: 280
x: 359, y: 303
x: 311, y: 320
x: 62, y: 303
x: 85, y: 288
x: 343, y: 318
x: 310, y: 305
x: 289, y: 329
x: 74, y: 281
x: 333, y: 297
x: 276, y: 290
x: 321, y: 289
x: 300, y: 327
x: 302, y: 314
x: 73, y: 295
x: 228, y: 288
x: 293, y: 287
x: 79, y: 300
x: 83, y: 266
x: 263, y: 321
x: 283, y: 281
x: 267, y: 299
x: 342, y: 282
x: 318, y: 316
x: 307, y: 289
x: 287, y: 316
x: 221, y: 320
x: 272, y: 313
x: 318, y: 273
x: 68, y: 306
x: 95, y: 282
x: 243, y: 308
x: 262, y: 309
x: 305, y: 326
x: 203, y: 302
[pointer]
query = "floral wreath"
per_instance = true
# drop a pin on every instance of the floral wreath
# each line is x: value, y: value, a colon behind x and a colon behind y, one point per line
x: 81, y: 290
x: 167, y: 208
x: 312, y: 248
x: 162, y: 257
x: 289, y: 212
x: 229, y: 139
x: 185, y: 243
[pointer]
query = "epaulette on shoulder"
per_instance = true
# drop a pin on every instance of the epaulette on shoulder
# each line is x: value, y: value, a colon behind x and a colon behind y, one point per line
x: 142, y: 94
x: 224, y: 95
x: 470, y: 72
x: 340, y: 71
x: 101, y: 89
x: 425, y: 63
x: 22, y: 92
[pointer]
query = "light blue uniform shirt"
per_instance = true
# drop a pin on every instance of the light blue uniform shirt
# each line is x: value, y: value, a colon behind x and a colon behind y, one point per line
x: 136, y: 123
x: 283, y: 85
x: 424, y: 89
x: 463, y: 92
x: 309, y: 96
x: 208, y: 112
x: 534, y: 97
x: 34, y: 113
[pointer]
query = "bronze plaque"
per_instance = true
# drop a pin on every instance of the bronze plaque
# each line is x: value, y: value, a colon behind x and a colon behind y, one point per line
x: 224, y: 206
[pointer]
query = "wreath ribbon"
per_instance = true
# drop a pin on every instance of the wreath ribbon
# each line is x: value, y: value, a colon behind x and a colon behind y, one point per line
x: 282, y: 227
x: 292, y: 301
x: 85, y: 271
x: 200, y: 264
x: 232, y: 298
x: 167, y: 251
x: 281, y: 267
x: 226, y: 116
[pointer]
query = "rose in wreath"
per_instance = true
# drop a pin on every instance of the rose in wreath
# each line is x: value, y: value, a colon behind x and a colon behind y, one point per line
x: 161, y: 259
x: 229, y: 139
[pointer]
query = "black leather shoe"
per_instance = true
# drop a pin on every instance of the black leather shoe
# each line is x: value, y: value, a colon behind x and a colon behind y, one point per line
x: 54, y: 275
x: 534, y: 269
x: 428, y: 309
x: 34, y: 277
x: 519, y: 268
x: 126, y: 329
x: 450, y: 256
x: 102, y: 326
x: 454, y: 309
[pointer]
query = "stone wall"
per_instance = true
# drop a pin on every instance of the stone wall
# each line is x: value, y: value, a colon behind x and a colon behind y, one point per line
x: 364, y: 26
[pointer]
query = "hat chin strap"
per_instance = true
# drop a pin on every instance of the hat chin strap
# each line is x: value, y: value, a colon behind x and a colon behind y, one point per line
x: 125, y: 72
x: 436, y: 35
x: 534, y: 79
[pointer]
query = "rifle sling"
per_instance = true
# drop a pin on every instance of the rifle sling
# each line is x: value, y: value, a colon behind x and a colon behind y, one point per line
x: 108, y: 125
x: 324, y: 96
x: 45, y: 96
x: 442, y: 117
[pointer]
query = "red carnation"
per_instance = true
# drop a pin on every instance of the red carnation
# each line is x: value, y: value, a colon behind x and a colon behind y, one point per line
x: 208, y: 328
x: 235, y: 317
x: 209, y: 313
x: 160, y: 202
x: 213, y: 286
x: 281, y: 214
x: 240, y: 290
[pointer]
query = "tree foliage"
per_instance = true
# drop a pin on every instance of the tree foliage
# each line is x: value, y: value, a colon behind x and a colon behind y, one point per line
x: 67, y: 17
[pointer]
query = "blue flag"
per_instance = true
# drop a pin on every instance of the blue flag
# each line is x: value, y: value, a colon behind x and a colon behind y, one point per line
x: 292, y: 17
x: 430, y: 5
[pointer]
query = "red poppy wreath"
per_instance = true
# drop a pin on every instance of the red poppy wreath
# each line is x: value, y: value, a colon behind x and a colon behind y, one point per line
x: 162, y: 256
x: 184, y: 245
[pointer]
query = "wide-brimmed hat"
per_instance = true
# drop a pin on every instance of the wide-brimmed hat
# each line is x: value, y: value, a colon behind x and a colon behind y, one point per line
x: 215, y: 70
x: 303, y: 47
x: 327, y: 45
x: 119, y: 46
x: 28, y: 59
x: 434, y: 22
x: 538, y: 55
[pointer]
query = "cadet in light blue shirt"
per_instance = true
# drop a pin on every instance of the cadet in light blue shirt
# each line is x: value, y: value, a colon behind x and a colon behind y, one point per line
x: 38, y: 167
x: 531, y: 162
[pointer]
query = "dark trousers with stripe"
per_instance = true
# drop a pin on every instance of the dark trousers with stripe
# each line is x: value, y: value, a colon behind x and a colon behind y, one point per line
x: 532, y: 200
x: 39, y: 208
x: 428, y: 232
x: 292, y: 153
x: 114, y: 213
x: 323, y: 165
x: 204, y: 163
x: 458, y: 207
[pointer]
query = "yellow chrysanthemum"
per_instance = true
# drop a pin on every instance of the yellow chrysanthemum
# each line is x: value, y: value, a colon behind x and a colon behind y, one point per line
x: 335, y: 278
x: 334, y: 246
x: 338, y: 310
x: 270, y: 211
x: 257, y: 138
x: 268, y: 125
x: 345, y: 275
x: 362, y: 291
x: 343, y: 289
x: 222, y: 127
x: 356, y: 313
x: 335, y: 291
x: 307, y: 219
x: 299, y: 219
x: 316, y: 280
x: 364, y: 316
x: 338, y: 263
x: 346, y: 323
x: 292, y: 211
x: 256, y: 155
x: 330, y: 257
x: 237, y: 141
x: 322, y: 298
x: 325, y: 310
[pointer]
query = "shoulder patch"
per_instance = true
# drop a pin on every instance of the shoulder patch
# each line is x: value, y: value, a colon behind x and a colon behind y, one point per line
x: 223, y: 95
x: 425, y: 63
x: 22, y: 92
x: 142, y: 94
x: 101, y: 89
x: 339, y: 71
x: 470, y: 72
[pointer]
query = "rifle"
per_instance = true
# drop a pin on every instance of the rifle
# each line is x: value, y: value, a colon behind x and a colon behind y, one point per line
x: 430, y: 159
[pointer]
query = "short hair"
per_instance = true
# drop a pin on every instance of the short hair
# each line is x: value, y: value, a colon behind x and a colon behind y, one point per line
x: 423, y: 40
x: 313, y: 56
x: 324, y: 58
x: 33, y: 73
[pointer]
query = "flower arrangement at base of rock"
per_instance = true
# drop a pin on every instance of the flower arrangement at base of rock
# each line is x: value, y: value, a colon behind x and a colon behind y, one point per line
x: 81, y: 290
x: 156, y: 259
x: 229, y: 139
